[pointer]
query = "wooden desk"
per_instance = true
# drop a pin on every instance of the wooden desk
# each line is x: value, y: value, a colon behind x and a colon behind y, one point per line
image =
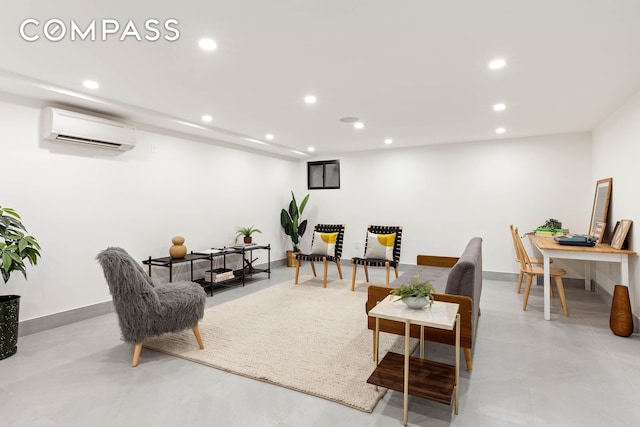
x: 428, y: 379
x: 600, y: 252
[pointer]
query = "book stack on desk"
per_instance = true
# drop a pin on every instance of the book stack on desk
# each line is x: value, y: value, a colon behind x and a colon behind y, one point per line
x: 218, y: 275
x: 551, y: 232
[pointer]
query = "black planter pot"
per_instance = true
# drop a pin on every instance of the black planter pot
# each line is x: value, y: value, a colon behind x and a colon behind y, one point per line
x: 9, y: 311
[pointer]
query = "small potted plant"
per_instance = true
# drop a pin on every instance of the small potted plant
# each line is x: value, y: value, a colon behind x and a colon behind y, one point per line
x: 15, y: 247
x: 246, y: 232
x: 415, y: 294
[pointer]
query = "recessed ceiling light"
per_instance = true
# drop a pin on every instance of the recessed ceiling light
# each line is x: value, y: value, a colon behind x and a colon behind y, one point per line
x: 349, y: 119
x: 388, y: 141
x: 310, y: 99
x: 91, y: 84
x: 269, y: 136
x: 496, y: 64
x: 207, y: 44
x: 311, y: 149
x: 207, y: 118
x: 501, y: 130
x: 499, y: 107
x: 358, y: 125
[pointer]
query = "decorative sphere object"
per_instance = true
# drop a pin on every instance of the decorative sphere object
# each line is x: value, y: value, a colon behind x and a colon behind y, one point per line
x: 416, y: 303
x: 178, y: 250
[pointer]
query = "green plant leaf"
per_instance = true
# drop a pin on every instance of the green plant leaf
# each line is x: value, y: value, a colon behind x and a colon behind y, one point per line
x: 293, y: 209
x: 285, y: 219
x: 304, y: 203
x: 302, y: 228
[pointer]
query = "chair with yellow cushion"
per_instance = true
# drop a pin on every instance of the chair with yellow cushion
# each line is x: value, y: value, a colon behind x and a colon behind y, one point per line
x: 381, y: 249
x: 326, y: 246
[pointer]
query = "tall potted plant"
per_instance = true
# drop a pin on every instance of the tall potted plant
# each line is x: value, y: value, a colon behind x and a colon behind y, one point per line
x: 289, y: 219
x: 15, y: 247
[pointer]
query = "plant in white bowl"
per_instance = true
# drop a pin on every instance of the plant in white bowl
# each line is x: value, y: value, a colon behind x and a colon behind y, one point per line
x: 415, y: 294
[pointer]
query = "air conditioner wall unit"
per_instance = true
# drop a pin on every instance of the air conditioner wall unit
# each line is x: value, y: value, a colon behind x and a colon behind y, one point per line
x: 78, y: 128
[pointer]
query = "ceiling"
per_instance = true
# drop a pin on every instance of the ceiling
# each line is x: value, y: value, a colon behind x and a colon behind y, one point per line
x: 414, y: 71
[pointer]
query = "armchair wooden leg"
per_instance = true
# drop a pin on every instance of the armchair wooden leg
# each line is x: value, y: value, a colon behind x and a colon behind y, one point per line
x: 479, y: 313
x: 339, y: 269
x: 527, y: 289
x: 387, y: 266
x: 313, y: 268
x: 326, y: 267
x: 353, y: 277
x: 467, y: 358
x: 297, y: 270
x: 196, y: 332
x: 136, y: 354
x: 366, y: 273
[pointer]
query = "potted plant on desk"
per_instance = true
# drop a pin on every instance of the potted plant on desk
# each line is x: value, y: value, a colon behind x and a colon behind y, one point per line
x: 15, y: 247
x: 289, y: 220
x: 415, y: 294
x: 246, y: 232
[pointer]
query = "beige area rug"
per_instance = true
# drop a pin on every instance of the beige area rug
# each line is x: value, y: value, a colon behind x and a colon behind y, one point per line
x: 302, y: 337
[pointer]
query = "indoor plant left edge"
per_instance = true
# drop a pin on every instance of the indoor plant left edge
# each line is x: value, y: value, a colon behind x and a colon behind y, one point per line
x: 15, y: 246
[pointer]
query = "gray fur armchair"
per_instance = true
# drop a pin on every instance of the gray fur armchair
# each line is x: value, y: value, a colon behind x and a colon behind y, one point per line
x: 145, y: 309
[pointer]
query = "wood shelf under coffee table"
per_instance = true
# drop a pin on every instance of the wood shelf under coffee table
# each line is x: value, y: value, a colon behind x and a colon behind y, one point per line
x: 416, y: 375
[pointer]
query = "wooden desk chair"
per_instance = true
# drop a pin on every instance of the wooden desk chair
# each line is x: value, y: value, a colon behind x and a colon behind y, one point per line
x: 534, y: 261
x: 530, y: 270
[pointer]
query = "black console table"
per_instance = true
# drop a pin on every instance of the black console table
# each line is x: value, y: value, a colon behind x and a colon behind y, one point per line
x: 245, y: 251
x: 169, y: 262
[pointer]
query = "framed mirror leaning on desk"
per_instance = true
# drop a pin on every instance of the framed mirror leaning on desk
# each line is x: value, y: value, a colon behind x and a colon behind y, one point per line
x: 600, y: 204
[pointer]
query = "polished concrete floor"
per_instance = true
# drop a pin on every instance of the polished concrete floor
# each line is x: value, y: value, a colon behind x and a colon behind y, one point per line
x: 527, y: 372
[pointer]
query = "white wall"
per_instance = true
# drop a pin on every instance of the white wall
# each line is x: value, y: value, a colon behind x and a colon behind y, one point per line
x: 79, y: 200
x: 616, y: 150
x: 443, y: 195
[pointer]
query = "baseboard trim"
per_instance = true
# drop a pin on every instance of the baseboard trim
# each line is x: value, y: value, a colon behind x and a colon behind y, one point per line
x: 499, y: 275
x: 40, y: 324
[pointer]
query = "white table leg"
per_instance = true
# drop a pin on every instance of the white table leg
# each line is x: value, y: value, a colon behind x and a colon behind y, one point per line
x: 547, y: 286
x: 588, y: 265
x: 624, y: 270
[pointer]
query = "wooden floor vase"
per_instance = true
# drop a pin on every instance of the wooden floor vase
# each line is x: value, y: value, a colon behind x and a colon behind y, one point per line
x: 621, y: 318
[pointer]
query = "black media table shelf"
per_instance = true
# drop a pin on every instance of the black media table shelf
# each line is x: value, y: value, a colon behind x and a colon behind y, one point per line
x: 169, y: 262
x: 241, y: 274
x: 247, y: 270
